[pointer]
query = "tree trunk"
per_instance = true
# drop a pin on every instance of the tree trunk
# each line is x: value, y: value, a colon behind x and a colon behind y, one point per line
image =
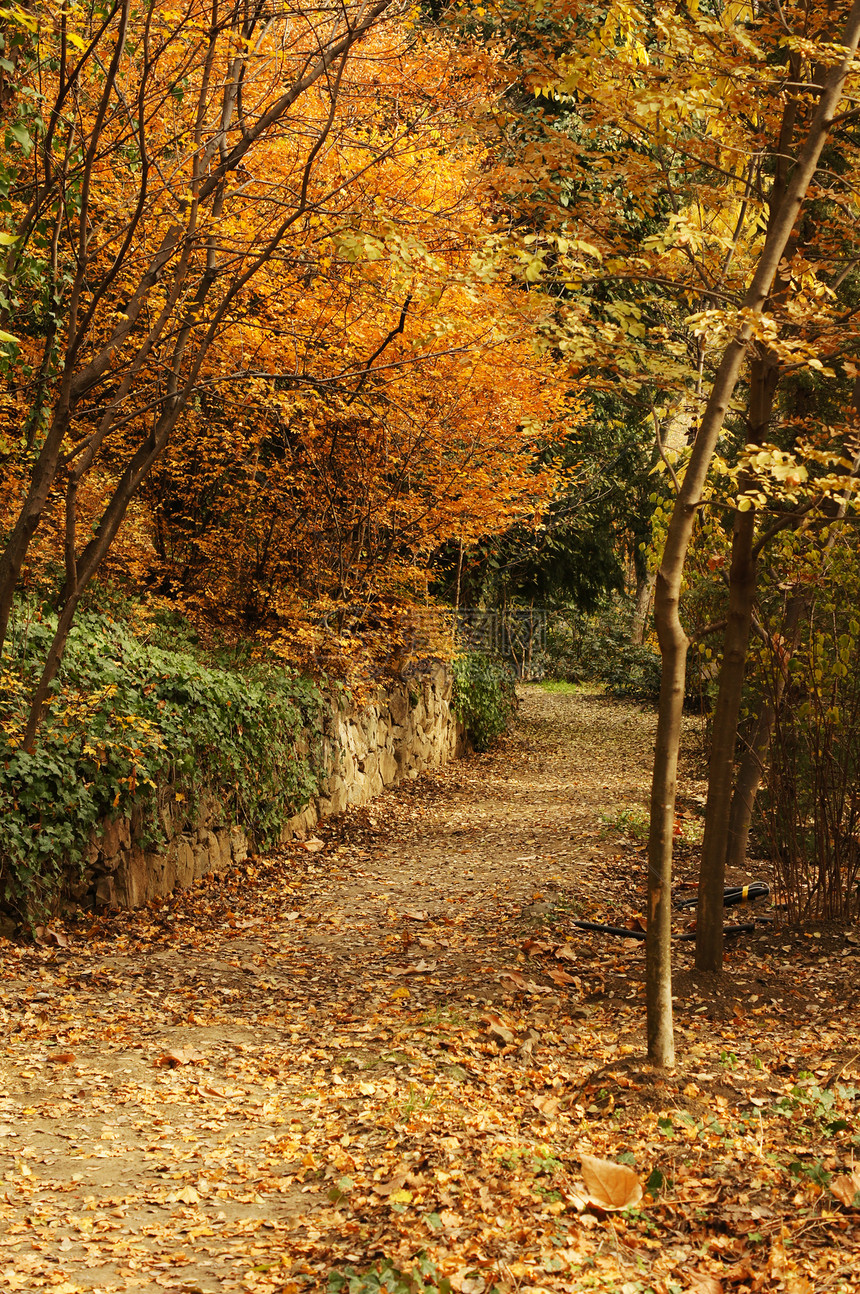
x: 751, y: 768
x: 670, y: 633
x: 644, y: 589
x: 764, y: 379
x: 742, y: 585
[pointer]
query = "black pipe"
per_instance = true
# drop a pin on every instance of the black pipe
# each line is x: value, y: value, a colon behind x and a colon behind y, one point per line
x: 624, y: 933
x: 732, y: 895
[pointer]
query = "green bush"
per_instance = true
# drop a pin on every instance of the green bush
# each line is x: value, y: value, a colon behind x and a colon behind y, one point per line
x: 597, y: 649
x: 131, y: 726
x: 484, y: 697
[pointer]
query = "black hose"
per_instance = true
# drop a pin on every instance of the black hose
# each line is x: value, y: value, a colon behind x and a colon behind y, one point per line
x: 624, y: 933
x: 732, y: 895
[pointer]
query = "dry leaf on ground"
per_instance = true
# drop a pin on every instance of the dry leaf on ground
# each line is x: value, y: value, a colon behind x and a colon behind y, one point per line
x: 612, y: 1186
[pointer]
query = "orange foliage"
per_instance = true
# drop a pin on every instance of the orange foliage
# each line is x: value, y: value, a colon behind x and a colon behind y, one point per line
x: 351, y: 371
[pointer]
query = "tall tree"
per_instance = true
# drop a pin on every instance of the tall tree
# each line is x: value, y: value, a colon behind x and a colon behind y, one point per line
x: 684, y: 117
x: 139, y: 213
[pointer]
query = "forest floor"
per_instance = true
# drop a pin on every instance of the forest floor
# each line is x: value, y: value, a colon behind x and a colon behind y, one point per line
x: 388, y: 1053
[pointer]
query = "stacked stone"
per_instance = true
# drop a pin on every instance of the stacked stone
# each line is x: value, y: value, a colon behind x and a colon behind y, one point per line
x: 408, y: 727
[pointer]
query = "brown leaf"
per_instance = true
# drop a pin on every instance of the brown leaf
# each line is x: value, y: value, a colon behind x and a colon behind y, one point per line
x: 514, y: 976
x: 450, y: 1221
x: 565, y: 953
x: 185, y: 1195
x: 397, y: 1182
x: 62, y: 1058
x: 417, y: 968
x: 313, y: 844
x: 562, y: 977
x: 702, y: 1283
x: 846, y: 1188
x: 207, y: 1089
x: 181, y: 1056
x: 534, y: 947
x: 528, y: 1045
x: 44, y: 936
x: 548, y: 1105
x: 798, y: 1284
x: 612, y: 1186
x: 417, y: 914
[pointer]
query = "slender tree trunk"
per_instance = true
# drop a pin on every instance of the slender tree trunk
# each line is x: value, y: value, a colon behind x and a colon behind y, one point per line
x: 752, y: 765
x: 742, y: 586
x: 644, y: 589
x: 764, y: 379
x: 751, y: 768
x: 670, y: 633
x: 91, y: 558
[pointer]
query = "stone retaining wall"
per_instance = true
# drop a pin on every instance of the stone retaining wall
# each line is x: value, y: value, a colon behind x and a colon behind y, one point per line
x: 408, y: 727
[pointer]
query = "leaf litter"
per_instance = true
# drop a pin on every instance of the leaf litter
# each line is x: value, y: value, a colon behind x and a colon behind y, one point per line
x: 394, y: 1053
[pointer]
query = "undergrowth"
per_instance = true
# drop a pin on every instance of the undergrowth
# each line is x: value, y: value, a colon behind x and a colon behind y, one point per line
x: 131, y: 725
x: 484, y: 697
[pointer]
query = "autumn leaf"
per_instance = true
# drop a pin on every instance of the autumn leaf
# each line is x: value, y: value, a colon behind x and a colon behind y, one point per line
x: 846, y: 1188
x: 395, y: 1184
x: 702, y: 1283
x: 180, y: 1056
x: 612, y: 1186
x: 185, y: 1195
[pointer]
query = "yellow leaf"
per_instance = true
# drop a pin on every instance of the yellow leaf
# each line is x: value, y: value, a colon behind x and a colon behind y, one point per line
x: 612, y: 1186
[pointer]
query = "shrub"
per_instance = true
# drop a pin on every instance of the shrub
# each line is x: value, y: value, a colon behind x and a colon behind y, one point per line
x: 811, y: 799
x: 484, y: 697
x: 130, y: 725
x: 597, y: 649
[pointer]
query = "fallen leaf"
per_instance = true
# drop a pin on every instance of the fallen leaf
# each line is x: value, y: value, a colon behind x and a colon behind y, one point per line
x: 562, y: 977
x: 416, y: 914
x: 528, y: 1045
x: 534, y: 947
x: 208, y: 1089
x: 313, y: 844
x: 468, y: 1281
x: 186, y: 1195
x: 397, y: 1182
x: 548, y: 1106
x: 531, y: 987
x: 846, y: 1188
x: 418, y: 968
x: 702, y: 1283
x: 612, y: 1186
x: 565, y: 953
x: 61, y: 1057
x: 45, y: 936
x: 180, y: 1056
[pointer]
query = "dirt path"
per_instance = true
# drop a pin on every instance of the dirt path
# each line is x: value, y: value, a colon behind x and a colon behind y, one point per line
x: 396, y: 1043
